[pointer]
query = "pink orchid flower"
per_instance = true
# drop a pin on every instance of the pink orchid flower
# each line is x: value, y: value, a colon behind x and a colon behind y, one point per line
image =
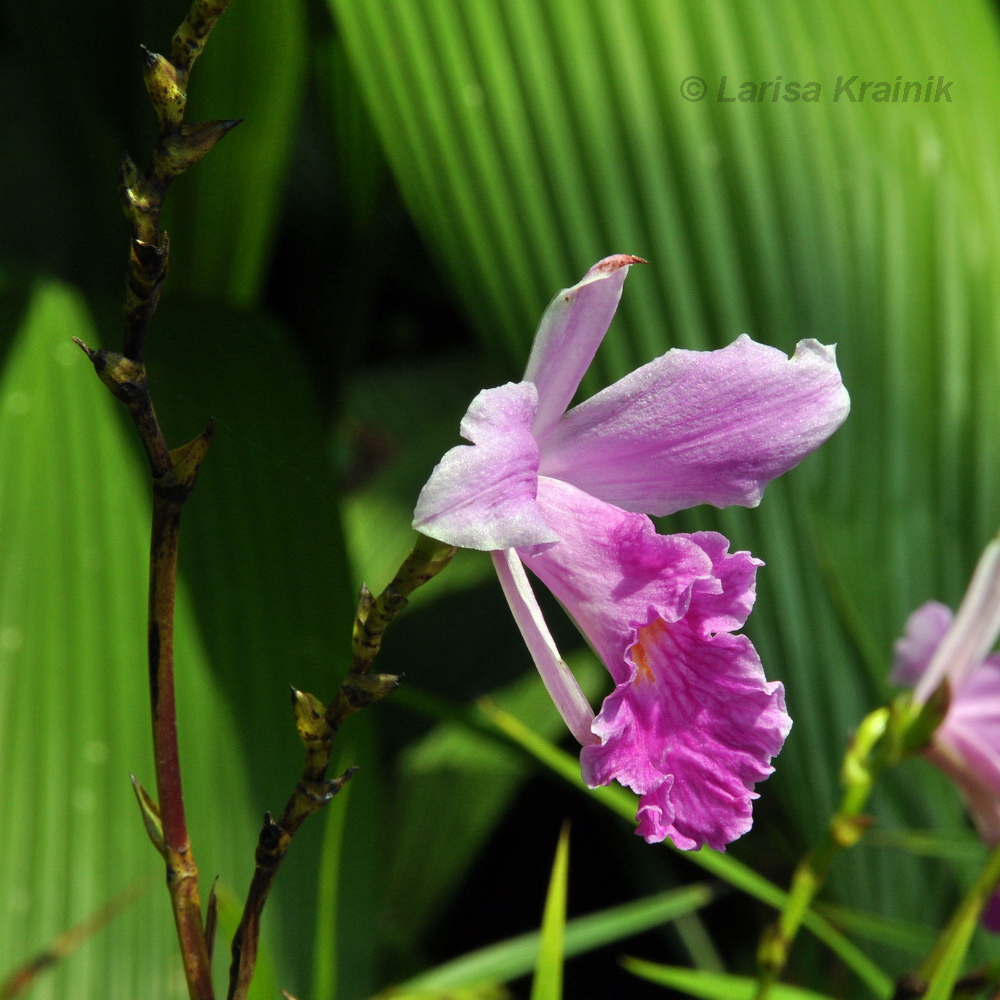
x: 941, y: 647
x: 692, y: 723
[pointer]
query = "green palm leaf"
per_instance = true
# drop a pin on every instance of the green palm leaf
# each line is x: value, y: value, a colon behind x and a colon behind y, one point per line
x: 74, y: 713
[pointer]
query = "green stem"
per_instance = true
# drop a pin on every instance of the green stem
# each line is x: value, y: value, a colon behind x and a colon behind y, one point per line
x: 427, y: 559
x: 943, y: 964
x: 847, y: 826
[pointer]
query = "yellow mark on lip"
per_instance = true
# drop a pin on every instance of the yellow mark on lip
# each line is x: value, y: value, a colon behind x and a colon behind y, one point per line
x: 648, y: 637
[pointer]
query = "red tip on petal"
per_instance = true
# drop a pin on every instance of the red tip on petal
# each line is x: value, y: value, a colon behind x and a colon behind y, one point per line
x: 616, y: 261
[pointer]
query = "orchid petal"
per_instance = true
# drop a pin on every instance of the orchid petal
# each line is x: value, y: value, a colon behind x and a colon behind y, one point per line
x: 925, y: 629
x: 691, y: 730
x: 939, y: 648
x: 569, y: 334
x: 727, y: 610
x: 967, y: 745
x: 698, y: 427
x: 482, y: 496
x: 563, y: 687
x: 974, y: 630
x: 610, y: 568
x: 692, y: 723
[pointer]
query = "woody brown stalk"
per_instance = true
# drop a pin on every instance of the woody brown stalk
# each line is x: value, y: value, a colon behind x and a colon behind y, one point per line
x: 317, y: 726
x: 178, y: 146
x: 173, y: 475
x: 169, y: 494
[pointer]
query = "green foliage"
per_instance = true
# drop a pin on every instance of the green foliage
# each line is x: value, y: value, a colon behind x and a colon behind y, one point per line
x: 507, y: 960
x: 624, y: 803
x: 547, y: 982
x: 943, y: 966
x: 527, y: 141
x: 74, y: 711
x: 712, y: 985
x: 530, y: 140
x: 488, y: 991
x: 261, y: 550
x: 905, y: 935
x: 351, y: 889
x: 455, y: 784
x: 254, y: 69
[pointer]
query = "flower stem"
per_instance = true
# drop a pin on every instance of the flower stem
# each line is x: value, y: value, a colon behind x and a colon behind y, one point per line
x: 943, y: 965
x: 318, y: 725
x: 427, y: 559
x: 182, y: 872
x: 847, y: 826
x: 173, y: 473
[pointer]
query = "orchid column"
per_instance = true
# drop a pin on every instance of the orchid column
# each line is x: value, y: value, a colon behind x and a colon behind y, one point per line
x: 692, y: 723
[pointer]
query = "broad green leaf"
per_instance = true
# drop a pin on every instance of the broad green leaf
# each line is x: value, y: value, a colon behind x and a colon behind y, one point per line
x: 227, y: 207
x: 712, y: 985
x: 530, y: 140
x: 735, y: 872
x: 346, y: 229
x: 74, y: 713
x: 358, y: 883
x: 359, y: 165
x: 20, y: 979
x: 547, y: 982
x: 515, y: 957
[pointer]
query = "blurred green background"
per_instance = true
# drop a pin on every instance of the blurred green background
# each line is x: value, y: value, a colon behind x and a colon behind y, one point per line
x: 412, y: 182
